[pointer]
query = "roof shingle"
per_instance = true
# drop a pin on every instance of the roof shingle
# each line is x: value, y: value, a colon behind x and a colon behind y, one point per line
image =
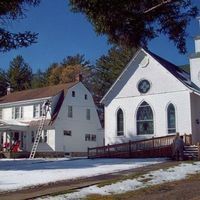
x: 37, y: 93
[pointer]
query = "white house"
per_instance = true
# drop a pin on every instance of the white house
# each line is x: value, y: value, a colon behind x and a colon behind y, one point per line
x: 152, y: 97
x: 72, y: 124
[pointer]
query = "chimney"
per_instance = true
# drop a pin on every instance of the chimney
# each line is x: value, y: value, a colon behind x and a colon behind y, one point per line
x: 9, y: 89
x: 79, y: 77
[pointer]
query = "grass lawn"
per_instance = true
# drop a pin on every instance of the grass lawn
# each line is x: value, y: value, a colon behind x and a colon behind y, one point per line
x: 185, y: 189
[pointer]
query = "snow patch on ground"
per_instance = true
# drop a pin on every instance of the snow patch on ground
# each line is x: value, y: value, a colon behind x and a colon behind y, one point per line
x: 20, y: 173
x: 153, y: 178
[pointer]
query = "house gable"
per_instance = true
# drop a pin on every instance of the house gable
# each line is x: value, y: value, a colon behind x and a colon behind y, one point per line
x: 82, y: 100
x: 145, y: 66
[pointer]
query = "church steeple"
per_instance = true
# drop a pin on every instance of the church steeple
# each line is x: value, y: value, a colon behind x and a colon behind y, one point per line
x: 197, y: 40
x: 195, y: 61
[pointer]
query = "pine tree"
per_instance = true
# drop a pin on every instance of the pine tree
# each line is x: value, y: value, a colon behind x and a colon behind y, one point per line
x: 132, y: 23
x: 19, y: 74
x: 108, y: 68
x: 38, y: 79
x: 3, y: 82
x: 14, y: 10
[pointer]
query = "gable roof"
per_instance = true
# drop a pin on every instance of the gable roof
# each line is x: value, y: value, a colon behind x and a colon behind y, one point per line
x: 176, y: 71
x: 37, y: 93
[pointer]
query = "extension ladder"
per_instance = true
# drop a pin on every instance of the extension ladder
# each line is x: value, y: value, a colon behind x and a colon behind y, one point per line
x: 38, y: 135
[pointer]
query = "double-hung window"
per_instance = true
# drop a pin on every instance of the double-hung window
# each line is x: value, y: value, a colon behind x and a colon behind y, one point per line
x: 37, y: 110
x: 70, y: 112
x: 87, y: 137
x: 1, y: 113
x: 17, y: 112
x: 88, y: 114
x: 45, y: 136
x: 90, y: 137
x: 67, y: 132
x: 32, y: 136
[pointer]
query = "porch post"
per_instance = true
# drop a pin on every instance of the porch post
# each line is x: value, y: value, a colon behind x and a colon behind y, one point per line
x: 10, y: 138
x: 4, y: 139
x: 1, y: 134
x: 1, y: 141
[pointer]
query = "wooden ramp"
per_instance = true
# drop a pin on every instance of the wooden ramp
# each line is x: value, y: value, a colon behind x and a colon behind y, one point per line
x: 149, y: 148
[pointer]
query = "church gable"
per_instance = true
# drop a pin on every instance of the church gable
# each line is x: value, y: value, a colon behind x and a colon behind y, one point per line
x: 147, y: 74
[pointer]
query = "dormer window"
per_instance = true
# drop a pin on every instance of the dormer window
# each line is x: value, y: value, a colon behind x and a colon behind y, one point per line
x: 73, y: 94
x: 86, y: 97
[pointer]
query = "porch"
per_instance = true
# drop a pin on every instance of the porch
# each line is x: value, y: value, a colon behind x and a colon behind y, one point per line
x: 13, y: 136
x: 16, y: 140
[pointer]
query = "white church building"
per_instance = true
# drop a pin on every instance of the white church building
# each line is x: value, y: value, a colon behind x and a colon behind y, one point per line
x: 72, y: 125
x: 153, y: 97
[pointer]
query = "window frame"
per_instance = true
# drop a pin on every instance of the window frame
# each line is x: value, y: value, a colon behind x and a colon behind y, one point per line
x: 87, y: 137
x: 17, y: 112
x: 94, y: 138
x: 90, y: 137
x: 32, y: 136
x: 67, y: 132
x: 38, y: 108
x: 149, y: 122
x: 1, y: 113
x: 120, y: 130
x: 70, y: 111
x: 88, y: 114
x: 172, y: 129
x: 73, y: 93
x: 45, y: 136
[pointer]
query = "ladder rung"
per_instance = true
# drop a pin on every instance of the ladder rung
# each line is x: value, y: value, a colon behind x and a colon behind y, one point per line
x: 38, y: 136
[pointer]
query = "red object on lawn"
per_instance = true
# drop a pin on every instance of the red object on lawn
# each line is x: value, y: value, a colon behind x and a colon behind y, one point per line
x: 15, y: 147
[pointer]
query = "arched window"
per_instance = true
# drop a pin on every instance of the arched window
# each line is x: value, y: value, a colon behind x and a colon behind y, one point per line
x: 145, y: 119
x: 120, y: 122
x: 171, y: 119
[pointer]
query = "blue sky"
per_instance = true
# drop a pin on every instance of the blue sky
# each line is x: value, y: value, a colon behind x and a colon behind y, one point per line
x: 63, y: 33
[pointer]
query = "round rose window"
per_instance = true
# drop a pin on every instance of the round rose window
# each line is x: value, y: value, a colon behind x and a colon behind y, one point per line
x: 143, y: 86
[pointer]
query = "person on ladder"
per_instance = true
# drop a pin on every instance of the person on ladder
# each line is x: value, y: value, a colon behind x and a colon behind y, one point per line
x: 45, y: 107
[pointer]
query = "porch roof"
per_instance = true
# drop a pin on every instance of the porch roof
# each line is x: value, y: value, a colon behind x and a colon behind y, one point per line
x: 12, y: 125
